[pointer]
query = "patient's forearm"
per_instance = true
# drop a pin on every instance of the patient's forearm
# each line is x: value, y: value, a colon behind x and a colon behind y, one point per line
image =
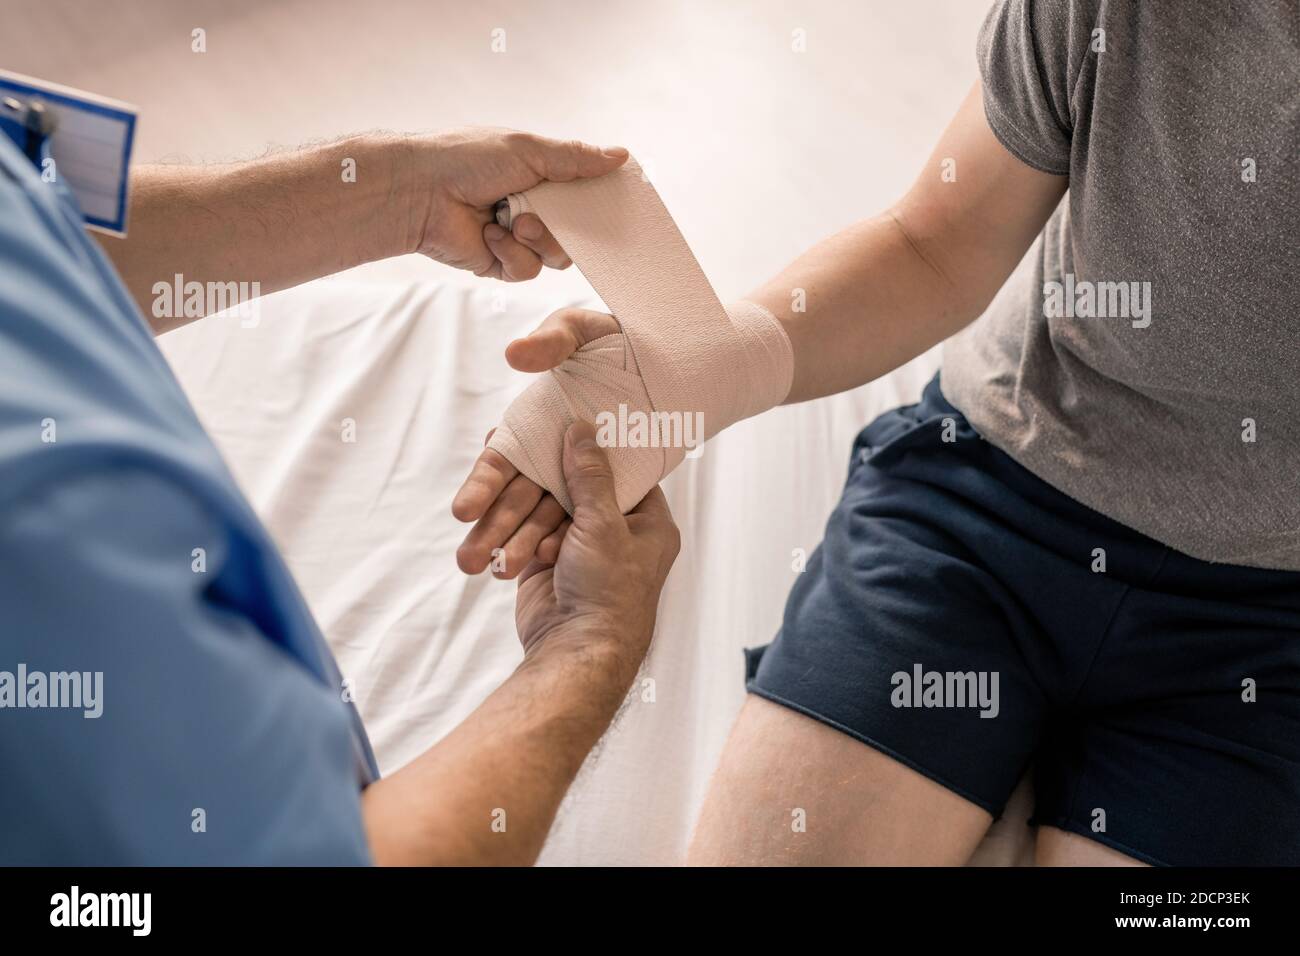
x: 276, y: 221
x: 870, y: 302
x: 487, y: 793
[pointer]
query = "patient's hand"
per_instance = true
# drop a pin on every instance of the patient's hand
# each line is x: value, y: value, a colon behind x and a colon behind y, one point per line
x: 511, y: 512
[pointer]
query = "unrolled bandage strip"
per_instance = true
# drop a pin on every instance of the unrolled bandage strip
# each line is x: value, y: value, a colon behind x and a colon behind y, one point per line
x: 680, y: 361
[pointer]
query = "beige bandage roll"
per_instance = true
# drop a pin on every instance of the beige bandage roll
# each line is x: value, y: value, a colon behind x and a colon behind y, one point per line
x: 682, y: 369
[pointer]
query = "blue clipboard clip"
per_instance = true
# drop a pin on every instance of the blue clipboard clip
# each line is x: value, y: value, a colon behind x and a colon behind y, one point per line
x: 36, y: 121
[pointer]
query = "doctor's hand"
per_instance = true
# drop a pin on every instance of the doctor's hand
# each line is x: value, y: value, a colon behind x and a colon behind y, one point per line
x: 602, y: 592
x: 325, y: 208
x: 586, y: 623
x: 515, y: 518
x: 457, y: 177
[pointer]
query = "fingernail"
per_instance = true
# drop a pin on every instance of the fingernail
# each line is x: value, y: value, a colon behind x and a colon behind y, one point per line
x: 530, y: 228
x: 615, y: 152
x: 493, y: 232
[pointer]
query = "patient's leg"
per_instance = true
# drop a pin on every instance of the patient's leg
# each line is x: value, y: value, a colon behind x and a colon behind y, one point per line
x: 791, y: 790
x: 1060, y: 848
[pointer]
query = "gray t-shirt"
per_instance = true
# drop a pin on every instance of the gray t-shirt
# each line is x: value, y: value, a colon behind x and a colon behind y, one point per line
x: 1145, y: 356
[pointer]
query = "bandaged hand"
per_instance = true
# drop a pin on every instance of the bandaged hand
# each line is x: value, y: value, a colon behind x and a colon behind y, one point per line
x: 516, y: 519
x: 516, y: 490
x: 675, y: 369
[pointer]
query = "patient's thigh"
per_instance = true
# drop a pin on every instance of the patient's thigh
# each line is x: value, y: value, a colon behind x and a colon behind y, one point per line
x: 790, y: 790
x: 1061, y: 848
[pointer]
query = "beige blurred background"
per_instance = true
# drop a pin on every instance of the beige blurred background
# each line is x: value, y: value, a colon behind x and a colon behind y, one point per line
x: 765, y: 125
x: 699, y: 91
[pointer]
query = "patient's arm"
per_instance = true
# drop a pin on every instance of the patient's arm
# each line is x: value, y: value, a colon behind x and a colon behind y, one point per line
x: 298, y: 215
x: 877, y: 294
x: 884, y: 290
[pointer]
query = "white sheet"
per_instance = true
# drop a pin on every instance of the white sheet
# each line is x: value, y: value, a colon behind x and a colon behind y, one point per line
x: 367, y: 530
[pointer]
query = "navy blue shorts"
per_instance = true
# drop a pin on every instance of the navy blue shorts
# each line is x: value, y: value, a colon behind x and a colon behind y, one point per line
x: 971, y: 621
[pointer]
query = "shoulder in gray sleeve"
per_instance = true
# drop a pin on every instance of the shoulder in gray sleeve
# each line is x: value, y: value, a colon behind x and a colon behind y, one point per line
x: 1032, y: 57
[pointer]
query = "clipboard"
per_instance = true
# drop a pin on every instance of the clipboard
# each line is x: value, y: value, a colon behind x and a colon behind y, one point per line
x: 79, y: 139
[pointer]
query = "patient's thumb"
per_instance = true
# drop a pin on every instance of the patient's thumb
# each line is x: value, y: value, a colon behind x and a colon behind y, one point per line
x: 563, y: 333
x: 588, y: 475
x: 539, y: 351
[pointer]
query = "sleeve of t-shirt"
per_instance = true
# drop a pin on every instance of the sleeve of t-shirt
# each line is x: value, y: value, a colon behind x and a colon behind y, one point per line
x: 182, y: 735
x: 1030, y: 53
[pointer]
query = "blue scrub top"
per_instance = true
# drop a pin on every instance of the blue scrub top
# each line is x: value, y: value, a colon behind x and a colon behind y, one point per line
x: 224, y: 736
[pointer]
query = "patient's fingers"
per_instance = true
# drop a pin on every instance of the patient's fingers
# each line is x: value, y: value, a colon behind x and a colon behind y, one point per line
x: 521, y: 547
x: 532, y: 232
x: 487, y: 479
x: 518, y: 262
x: 549, y: 550
x: 495, y: 528
x: 559, y: 336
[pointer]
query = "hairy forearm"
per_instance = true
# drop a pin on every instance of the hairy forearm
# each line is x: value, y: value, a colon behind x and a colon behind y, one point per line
x: 275, y: 222
x: 488, y: 792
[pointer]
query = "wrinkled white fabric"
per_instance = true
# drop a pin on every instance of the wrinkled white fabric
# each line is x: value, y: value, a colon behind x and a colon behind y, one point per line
x: 682, y: 369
